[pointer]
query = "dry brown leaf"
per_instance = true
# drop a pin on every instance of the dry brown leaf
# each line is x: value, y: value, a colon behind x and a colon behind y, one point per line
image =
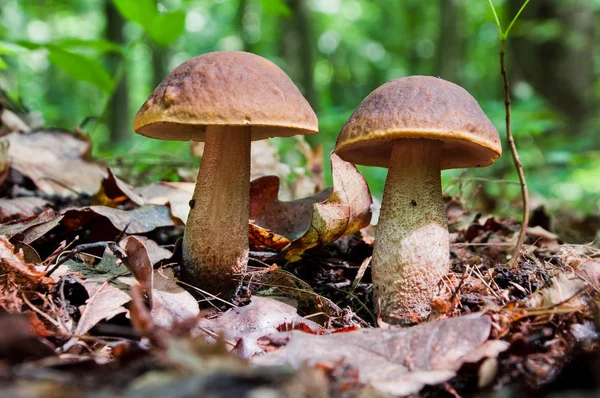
x: 263, y: 316
x: 16, y: 272
x: 279, y: 283
x: 18, y: 208
x: 288, y: 219
x: 137, y: 221
x: 176, y: 195
x: 396, y: 361
x: 312, y: 221
x: 142, y: 253
x: 113, y: 192
x: 56, y: 161
x: 139, y: 263
x: 105, y: 301
x: 171, y: 303
x: 345, y: 212
x: 567, y: 286
x: 31, y: 228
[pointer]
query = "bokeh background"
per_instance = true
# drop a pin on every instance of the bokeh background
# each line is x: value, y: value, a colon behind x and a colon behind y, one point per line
x: 92, y: 63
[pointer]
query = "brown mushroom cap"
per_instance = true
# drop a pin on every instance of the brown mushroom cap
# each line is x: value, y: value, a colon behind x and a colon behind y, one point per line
x: 419, y: 107
x: 226, y: 88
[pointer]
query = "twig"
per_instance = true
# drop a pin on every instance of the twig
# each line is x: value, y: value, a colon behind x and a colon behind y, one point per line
x: 511, y: 142
x: 482, y: 179
x: 204, y: 292
x: 517, y: 160
x: 40, y: 312
x: 62, y: 184
x: 71, y: 253
x: 215, y: 335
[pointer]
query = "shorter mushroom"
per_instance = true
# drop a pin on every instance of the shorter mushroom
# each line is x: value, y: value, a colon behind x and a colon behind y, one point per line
x: 415, y: 126
x: 226, y: 99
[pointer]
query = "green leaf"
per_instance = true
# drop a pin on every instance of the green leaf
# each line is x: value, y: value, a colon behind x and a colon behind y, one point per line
x: 166, y: 28
x: 29, y: 45
x: 81, y: 68
x: 9, y: 48
x: 3, y: 64
x: 140, y: 11
x: 277, y: 7
x: 103, y: 46
x: 163, y: 29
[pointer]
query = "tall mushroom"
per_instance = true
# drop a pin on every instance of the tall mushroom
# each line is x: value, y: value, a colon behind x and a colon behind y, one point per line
x: 227, y: 100
x: 415, y: 127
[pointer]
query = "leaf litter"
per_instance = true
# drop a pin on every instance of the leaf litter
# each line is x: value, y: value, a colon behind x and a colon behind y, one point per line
x: 89, y: 268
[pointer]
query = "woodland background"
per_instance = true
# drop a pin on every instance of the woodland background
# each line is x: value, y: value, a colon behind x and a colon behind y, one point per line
x: 92, y: 63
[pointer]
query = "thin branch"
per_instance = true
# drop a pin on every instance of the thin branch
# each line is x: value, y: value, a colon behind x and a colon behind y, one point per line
x: 515, y: 19
x: 517, y: 160
x: 496, y: 18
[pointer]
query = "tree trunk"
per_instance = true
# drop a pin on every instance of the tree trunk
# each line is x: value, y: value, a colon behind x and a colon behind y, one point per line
x: 160, y: 69
x: 119, y: 122
x: 297, y: 49
x: 449, y: 46
x: 560, y: 66
x: 239, y: 18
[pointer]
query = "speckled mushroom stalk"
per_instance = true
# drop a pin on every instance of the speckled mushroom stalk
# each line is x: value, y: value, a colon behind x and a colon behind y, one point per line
x: 415, y: 126
x: 412, y: 246
x: 215, y: 243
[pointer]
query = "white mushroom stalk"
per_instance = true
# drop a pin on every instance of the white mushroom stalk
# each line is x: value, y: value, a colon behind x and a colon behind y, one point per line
x: 215, y: 243
x: 412, y: 246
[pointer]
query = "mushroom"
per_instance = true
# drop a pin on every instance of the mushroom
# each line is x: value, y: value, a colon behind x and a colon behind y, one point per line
x: 226, y: 99
x: 415, y: 127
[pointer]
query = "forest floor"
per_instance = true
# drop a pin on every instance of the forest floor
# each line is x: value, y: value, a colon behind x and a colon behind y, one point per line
x: 91, y: 303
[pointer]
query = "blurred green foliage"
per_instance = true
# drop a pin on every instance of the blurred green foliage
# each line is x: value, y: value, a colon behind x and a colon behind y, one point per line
x: 54, y: 57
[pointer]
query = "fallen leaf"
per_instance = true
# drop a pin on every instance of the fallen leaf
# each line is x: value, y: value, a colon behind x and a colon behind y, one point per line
x: 31, y: 228
x: 107, y: 268
x: 105, y: 301
x: 279, y: 283
x: 18, y: 208
x: 30, y: 255
x: 137, y: 221
x: 16, y: 272
x: 113, y: 192
x: 142, y: 253
x: 154, y: 252
x: 312, y: 221
x: 345, y: 212
x: 176, y: 195
x: 263, y: 238
x: 12, y: 122
x: 263, y: 316
x: 289, y: 219
x: 396, y: 361
x: 60, y: 164
x: 567, y: 286
x: 171, y: 303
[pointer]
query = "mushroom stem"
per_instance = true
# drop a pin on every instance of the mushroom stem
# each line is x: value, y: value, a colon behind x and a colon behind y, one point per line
x: 215, y: 243
x: 411, y: 253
